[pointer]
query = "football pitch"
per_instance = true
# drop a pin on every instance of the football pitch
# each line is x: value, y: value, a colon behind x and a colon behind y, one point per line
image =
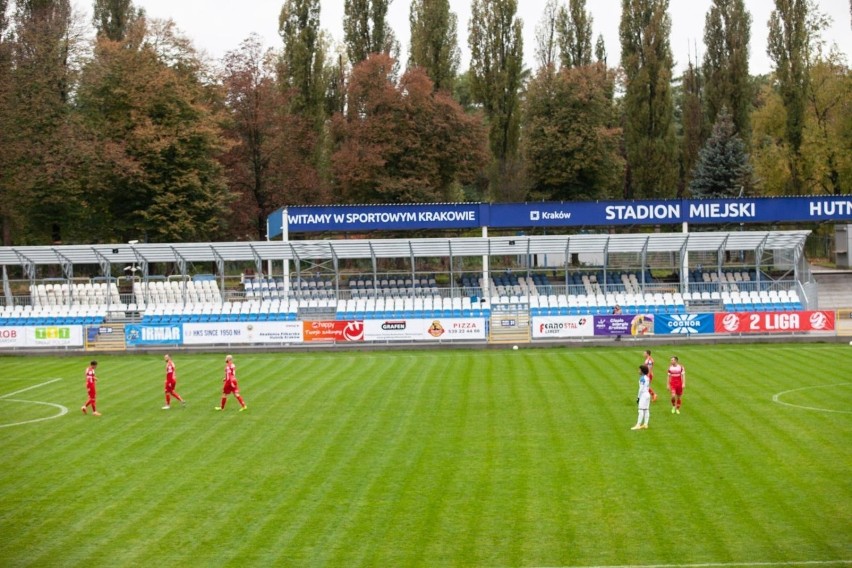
x: 431, y: 458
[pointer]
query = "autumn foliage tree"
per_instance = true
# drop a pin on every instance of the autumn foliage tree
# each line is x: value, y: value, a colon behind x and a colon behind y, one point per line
x: 570, y: 141
x: 401, y: 141
x: 145, y: 101
x: 267, y: 161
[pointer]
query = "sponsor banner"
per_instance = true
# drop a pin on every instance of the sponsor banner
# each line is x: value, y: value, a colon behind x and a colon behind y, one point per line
x: 358, y: 218
x: 41, y: 336
x: 377, y: 217
x: 428, y: 329
x: 12, y: 337
x: 685, y: 324
x: 774, y: 322
x: 55, y: 336
x: 635, y: 325
x: 242, y: 332
x: 554, y: 327
x: 332, y: 330
x: 135, y: 335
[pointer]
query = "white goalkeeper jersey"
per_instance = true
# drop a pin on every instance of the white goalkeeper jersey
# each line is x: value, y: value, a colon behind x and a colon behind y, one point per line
x: 644, y: 385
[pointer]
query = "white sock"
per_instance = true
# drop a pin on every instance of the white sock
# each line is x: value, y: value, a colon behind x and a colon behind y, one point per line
x: 647, y: 416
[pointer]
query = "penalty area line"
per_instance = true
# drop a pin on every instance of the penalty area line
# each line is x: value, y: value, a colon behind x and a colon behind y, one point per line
x: 29, y: 388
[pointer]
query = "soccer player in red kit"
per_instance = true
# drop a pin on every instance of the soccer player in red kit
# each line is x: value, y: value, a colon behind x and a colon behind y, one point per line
x: 230, y: 385
x: 171, y: 382
x: 649, y: 362
x: 91, y: 379
x: 676, y: 383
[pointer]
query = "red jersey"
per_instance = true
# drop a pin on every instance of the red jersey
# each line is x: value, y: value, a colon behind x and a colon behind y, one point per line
x: 676, y: 374
x: 230, y: 373
x: 649, y: 362
x: 90, y: 379
x: 170, y: 370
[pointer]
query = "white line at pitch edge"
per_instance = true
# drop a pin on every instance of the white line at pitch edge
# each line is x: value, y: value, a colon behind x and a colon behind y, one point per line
x: 721, y: 564
x: 29, y: 388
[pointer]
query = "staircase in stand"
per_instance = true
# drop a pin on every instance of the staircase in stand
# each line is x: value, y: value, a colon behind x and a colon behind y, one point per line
x: 510, y: 323
x: 108, y: 336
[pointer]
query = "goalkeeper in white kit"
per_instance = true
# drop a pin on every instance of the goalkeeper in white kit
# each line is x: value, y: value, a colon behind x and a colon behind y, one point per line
x: 643, y: 399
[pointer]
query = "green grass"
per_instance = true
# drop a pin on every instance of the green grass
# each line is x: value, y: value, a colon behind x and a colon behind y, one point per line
x: 431, y: 458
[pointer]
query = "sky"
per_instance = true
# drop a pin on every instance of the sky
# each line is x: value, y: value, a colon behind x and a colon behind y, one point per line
x: 219, y: 26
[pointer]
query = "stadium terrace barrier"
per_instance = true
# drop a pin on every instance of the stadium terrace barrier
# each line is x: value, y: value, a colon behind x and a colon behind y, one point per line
x: 424, y: 330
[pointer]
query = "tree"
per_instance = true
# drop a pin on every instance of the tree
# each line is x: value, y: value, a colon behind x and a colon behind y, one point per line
x: 546, y: 41
x: 150, y: 107
x: 43, y: 146
x: 727, y: 31
x: 825, y: 160
x: 794, y: 25
x: 649, y: 126
x: 828, y: 129
x: 269, y: 163
x: 434, y: 41
x: 403, y: 141
x: 366, y: 30
x: 600, y: 50
x: 496, y: 66
x: 574, y: 29
x: 303, y: 59
x: 692, y: 121
x: 570, y: 141
x: 723, y: 168
x: 112, y: 18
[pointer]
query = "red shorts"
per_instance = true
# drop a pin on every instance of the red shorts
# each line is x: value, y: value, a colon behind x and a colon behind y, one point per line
x: 677, y: 388
x: 230, y: 387
x: 92, y: 393
x: 170, y: 385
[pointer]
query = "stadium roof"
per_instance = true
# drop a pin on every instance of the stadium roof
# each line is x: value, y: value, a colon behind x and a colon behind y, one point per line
x: 261, y: 251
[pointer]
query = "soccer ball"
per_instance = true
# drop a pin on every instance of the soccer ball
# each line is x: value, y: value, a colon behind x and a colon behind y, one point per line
x: 515, y: 347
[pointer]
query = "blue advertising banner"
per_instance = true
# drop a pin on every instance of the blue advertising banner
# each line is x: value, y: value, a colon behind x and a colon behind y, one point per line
x: 685, y: 324
x: 357, y: 218
x: 137, y: 334
x: 378, y: 217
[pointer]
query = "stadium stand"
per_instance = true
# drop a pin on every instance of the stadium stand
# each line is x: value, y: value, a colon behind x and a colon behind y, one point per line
x: 567, y: 289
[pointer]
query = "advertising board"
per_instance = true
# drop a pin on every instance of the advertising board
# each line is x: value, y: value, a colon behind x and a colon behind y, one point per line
x: 556, y: 327
x: 13, y: 337
x: 774, y: 322
x: 684, y: 324
x: 631, y: 325
x: 436, y: 329
x: 243, y: 332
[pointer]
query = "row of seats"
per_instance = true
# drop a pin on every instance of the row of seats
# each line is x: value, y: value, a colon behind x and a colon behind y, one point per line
x: 428, y: 307
x: 251, y: 310
x: 176, y: 291
x: 763, y: 301
x: 52, y: 315
x: 65, y: 294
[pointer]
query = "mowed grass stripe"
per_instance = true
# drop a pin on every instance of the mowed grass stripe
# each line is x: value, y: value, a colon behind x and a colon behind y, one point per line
x: 391, y: 498
x: 345, y: 432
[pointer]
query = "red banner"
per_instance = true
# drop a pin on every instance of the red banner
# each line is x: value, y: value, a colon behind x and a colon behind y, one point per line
x: 774, y: 322
x: 332, y: 330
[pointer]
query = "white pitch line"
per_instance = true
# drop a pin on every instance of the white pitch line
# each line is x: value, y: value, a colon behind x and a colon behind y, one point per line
x: 29, y: 388
x: 63, y: 410
x: 722, y: 564
x: 777, y: 398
